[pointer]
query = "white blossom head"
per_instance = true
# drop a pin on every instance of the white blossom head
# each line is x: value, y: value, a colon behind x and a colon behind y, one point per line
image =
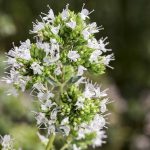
x: 55, y: 67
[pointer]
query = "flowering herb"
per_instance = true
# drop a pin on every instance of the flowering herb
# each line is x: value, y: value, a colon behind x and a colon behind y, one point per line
x: 54, y: 67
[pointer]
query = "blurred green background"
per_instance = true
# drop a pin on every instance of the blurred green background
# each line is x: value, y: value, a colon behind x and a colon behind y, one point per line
x: 127, y: 24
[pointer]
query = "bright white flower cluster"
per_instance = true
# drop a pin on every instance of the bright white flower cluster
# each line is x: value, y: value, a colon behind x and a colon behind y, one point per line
x: 54, y: 67
x: 6, y: 142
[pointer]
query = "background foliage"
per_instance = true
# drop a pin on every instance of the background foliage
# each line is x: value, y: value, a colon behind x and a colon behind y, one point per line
x: 127, y: 25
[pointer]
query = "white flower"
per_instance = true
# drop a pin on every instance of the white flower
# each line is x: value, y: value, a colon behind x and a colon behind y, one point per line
x: 65, y: 121
x: 13, y: 62
x: 54, y: 47
x: 99, y: 93
x: 39, y: 87
x: 80, y: 102
x: 86, y: 34
x: 54, y: 53
x: 89, y: 30
x: 51, y: 60
x: 51, y: 127
x: 93, y: 91
x: 66, y: 129
x: 38, y: 26
x: 89, y: 90
x: 25, y: 45
x: 80, y: 81
x: 94, y: 56
x: 81, y: 133
x: 103, y: 45
x: 55, y: 30
x: 12, y: 52
x: 64, y: 126
x: 50, y: 16
x: 54, y: 114
x: 45, y: 95
x: 53, y: 41
x: 16, y: 78
x: 81, y: 70
x: 95, y: 126
x: 37, y: 69
x: 98, y: 123
x: 75, y: 147
x: 12, y: 78
x: 23, y: 51
x: 65, y: 13
x: 84, y: 14
x: 93, y: 28
x: 45, y: 46
x: 103, y: 107
x: 47, y: 105
x: 6, y: 142
x: 93, y: 43
x: 98, y: 141
x: 106, y: 60
x: 73, y: 55
x: 24, y: 54
x: 71, y: 24
x: 41, y: 119
x: 22, y: 83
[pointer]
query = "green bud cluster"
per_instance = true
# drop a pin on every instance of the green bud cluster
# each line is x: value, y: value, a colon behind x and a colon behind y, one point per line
x: 78, y: 116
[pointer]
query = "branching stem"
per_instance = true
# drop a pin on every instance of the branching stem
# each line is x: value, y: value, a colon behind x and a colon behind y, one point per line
x: 64, y: 147
x: 50, y: 142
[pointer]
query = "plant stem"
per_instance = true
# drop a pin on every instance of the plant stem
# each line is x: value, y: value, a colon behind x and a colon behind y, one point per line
x: 50, y: 142
x: 64, y: 147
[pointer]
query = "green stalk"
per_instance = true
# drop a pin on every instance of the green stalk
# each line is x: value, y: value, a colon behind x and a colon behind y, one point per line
x: 64, y: 147
x: 50, y: 142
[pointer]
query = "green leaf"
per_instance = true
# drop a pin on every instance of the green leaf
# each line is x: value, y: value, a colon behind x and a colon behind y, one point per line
x: 74, y: 79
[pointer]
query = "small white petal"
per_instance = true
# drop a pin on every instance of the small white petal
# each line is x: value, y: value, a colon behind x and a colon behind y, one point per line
x: 41, y: 119
x: 106, y: 60
x: 65, y: 121
x: 103, y: 45
x: 66, y: 129
x: 86, y: 34
x: 38, y: 26
x: 39, y: 86
x: 54, y: 114
x: 55, y: 30
x: 73, y: 55
x: 65, y: 13
x: 44, y: 46
x: 84, y: 14
x: 93, y: 43
x: 95, y: 55
x: 49, y: 16
x: 103, y: 107
x: 81, y: 70
x: 37, y: 69
x: 71, y: 24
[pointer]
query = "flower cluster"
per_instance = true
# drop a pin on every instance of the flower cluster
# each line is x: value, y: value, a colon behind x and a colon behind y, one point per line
x: 54, y: 67
x: 6, y: 143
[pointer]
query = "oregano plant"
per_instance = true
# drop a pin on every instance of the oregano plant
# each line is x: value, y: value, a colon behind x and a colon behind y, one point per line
x: 54, y: 69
